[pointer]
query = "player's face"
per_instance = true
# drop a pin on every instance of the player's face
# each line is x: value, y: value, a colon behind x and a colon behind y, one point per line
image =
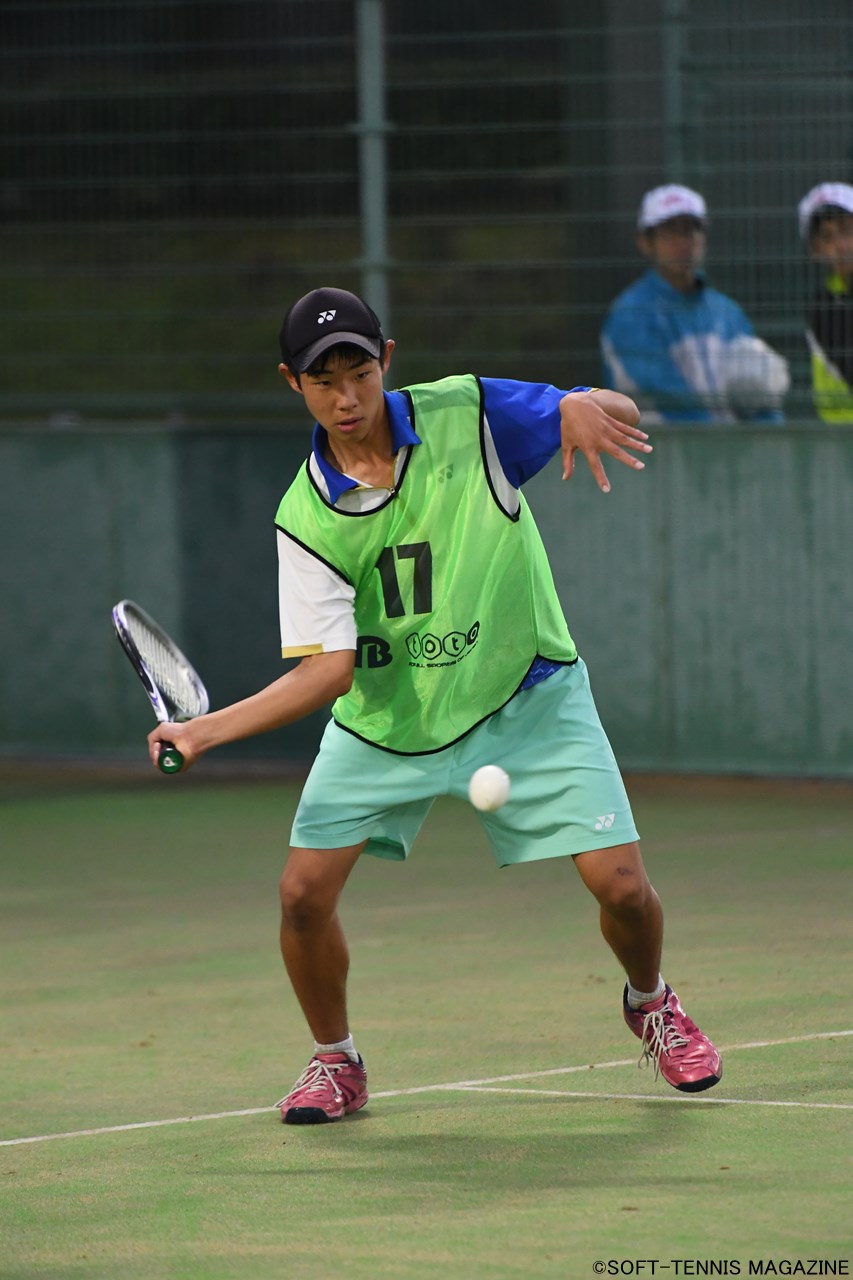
x: 345, y: 399
x: 832, y: 243
x: 677, y: 249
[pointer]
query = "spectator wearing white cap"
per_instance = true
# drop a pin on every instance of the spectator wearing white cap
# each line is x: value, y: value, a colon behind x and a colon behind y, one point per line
x: 685, y: 351
x: 826, y: 226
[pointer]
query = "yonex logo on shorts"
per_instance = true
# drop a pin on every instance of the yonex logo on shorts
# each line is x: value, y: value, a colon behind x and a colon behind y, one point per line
x: 605, y: 822
x: 326, y: 315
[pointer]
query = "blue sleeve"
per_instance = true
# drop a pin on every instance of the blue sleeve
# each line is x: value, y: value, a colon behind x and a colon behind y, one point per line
x: 739, y: 322
x: 637, y: 360
x: 524, y: 419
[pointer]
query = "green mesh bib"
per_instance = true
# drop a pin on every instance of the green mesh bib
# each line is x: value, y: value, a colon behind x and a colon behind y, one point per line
x: 454, y: 598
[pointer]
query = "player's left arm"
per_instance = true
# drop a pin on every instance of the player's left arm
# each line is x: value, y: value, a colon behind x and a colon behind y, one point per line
x: 530, y: 422
x: 598, y: 422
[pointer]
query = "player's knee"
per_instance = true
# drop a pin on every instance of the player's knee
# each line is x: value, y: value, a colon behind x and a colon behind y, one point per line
x: 304, y: 904
x: 626, y: 893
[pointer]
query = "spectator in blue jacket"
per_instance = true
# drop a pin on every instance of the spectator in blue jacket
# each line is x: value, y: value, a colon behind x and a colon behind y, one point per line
x: 684, y: 351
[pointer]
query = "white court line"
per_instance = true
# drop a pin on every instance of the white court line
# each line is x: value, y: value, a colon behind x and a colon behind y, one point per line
x: 473, y: 1085
x: 665, y: 1097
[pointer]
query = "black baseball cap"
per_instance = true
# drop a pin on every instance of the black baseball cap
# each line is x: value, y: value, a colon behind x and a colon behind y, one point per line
x: 324, y: 318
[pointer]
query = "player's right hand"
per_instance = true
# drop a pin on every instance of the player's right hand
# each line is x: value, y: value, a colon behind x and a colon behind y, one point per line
x: 177, y: 735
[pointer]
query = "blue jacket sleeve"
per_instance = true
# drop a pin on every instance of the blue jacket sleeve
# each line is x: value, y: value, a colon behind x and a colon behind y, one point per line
x: 636, y: 360
x: 668, y: 349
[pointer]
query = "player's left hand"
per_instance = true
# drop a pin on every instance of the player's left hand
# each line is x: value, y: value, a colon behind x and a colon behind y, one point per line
x: 598, y: 422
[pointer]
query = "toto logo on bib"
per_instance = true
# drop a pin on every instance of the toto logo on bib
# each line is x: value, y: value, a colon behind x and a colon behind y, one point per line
x: 427, y: 650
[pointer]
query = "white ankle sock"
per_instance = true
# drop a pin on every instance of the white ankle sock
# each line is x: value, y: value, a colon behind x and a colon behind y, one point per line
x: 343, y: 1046
x: 638, y: 998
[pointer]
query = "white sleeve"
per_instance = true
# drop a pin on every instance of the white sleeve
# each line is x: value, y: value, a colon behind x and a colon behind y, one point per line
x: 316, y: 605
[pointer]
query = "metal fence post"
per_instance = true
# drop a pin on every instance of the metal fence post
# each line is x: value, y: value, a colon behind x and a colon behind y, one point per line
x: 672, y: 35
x: 372, y: 128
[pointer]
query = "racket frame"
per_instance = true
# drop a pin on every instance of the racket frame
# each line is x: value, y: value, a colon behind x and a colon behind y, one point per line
x: 166, y: 709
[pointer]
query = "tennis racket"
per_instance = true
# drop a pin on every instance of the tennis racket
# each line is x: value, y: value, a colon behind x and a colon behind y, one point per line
x: 171, y: 682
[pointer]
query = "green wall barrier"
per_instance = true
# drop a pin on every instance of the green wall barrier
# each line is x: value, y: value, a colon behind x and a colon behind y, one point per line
x: 712, y: 599
x: 711, y: 596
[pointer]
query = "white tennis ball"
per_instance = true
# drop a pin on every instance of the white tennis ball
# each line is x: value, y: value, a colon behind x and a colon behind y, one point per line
x: 489, y: 788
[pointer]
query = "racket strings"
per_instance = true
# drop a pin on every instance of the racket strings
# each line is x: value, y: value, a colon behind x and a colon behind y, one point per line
x: 169, y: 674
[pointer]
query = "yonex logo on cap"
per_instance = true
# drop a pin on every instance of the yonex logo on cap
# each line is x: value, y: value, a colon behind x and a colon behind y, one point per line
x: 324, y: 318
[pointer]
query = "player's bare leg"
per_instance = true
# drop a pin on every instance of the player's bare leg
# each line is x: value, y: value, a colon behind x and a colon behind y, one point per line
x: 631, y: 915
x: 313, y: 945
x: 315, y: 953
x: 632, y: 925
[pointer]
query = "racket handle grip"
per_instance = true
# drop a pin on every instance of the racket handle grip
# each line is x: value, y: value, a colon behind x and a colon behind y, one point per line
x: 170, y: 759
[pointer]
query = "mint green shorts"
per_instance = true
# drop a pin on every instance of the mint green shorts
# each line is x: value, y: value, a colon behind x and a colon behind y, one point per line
x: 567, y: 795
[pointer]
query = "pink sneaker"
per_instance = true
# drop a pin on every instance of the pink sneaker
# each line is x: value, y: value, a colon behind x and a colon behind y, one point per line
x: 673, y: 1043
x: 331, y: 1086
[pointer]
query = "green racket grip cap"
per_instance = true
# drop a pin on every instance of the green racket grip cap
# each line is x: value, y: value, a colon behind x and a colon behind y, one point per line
x: 170, y: 759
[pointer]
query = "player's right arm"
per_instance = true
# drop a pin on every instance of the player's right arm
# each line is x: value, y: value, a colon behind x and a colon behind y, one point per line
x: 318, y: 628
x: 314, y: 683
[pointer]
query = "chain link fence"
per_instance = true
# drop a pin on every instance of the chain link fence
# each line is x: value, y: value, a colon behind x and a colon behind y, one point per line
x: 174, y: 172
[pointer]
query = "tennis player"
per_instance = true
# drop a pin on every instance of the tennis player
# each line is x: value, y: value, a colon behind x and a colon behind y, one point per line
x: 416, y: 593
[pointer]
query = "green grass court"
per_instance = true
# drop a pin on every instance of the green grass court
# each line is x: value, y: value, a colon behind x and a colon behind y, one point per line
x: 142, y: 986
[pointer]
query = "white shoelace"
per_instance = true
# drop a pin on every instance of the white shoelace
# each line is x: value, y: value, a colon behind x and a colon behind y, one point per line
x: 314, y: 1078
x: 659, y: 1037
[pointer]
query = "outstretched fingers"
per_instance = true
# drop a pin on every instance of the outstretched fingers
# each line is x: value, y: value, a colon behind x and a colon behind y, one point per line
x: 589, y: 427
x: 624, y: 438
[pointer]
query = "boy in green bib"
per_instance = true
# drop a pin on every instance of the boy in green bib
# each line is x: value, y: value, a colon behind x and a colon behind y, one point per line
x: 416, y: 594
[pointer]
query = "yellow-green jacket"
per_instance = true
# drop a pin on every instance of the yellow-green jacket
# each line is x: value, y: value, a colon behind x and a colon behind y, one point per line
x: 830, y: 339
